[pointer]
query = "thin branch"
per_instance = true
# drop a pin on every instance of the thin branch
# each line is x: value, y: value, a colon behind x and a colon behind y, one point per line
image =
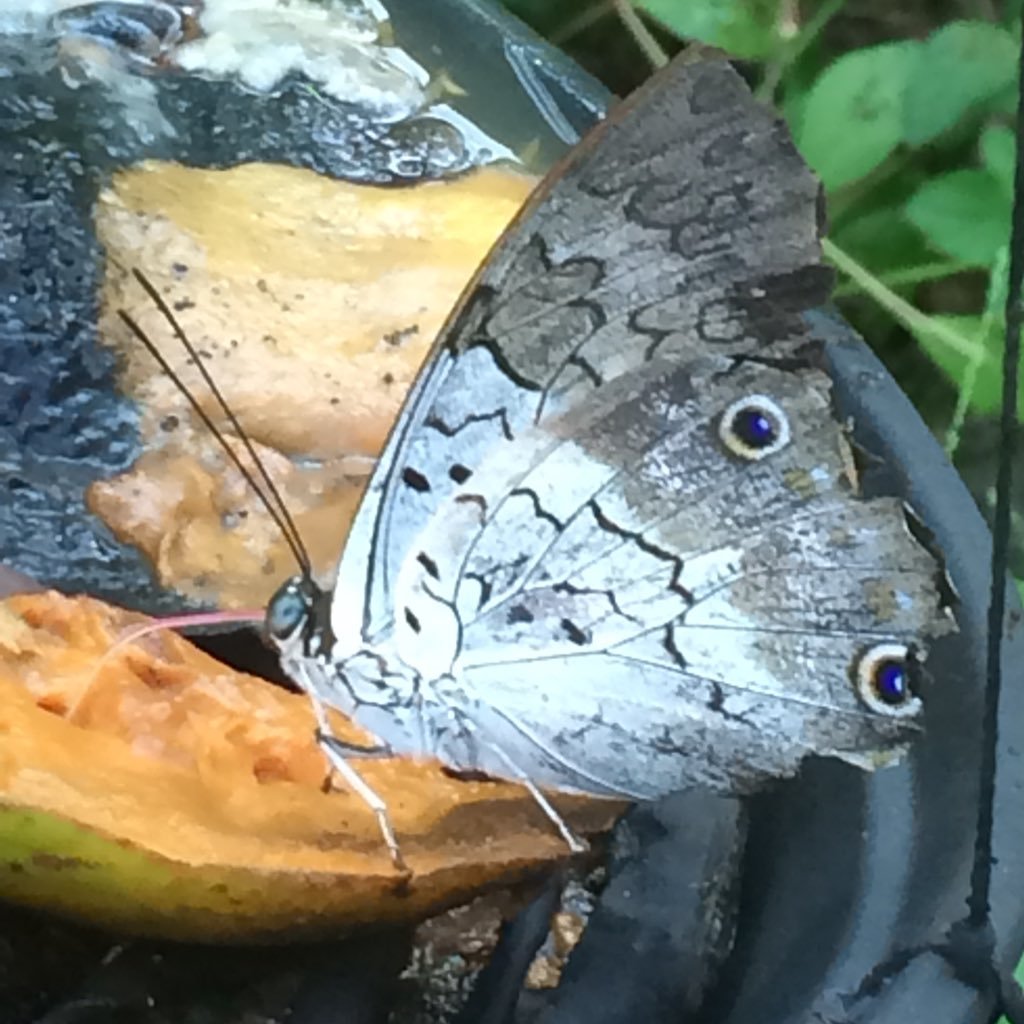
x: 896, y: 306
x: 641, y: 33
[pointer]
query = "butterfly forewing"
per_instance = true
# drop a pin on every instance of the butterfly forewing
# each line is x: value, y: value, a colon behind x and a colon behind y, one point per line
x: 686, y: 219
x: 564, y: 545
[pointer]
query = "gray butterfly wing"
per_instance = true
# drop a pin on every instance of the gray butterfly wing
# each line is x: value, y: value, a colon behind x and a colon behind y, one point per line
x: 686, y: 220
x: 559, y: 539
x: 620, y: 640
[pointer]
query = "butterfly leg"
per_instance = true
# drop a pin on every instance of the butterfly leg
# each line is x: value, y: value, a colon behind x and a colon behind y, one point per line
x: 348, y: 749
x: 573, y: 841
x: 334, y: 750
x: 367, y: 751
x: 369, y: 796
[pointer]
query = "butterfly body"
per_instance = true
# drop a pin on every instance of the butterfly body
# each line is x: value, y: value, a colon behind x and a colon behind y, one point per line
x: 615, y: 542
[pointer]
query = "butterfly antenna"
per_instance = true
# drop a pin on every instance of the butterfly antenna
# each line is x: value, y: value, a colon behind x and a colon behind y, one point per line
x: 266, y: 492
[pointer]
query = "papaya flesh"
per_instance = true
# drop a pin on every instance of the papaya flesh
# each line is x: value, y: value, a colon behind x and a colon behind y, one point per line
x: 146, y: 787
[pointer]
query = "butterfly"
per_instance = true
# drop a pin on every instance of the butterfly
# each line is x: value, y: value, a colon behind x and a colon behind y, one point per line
x: 615, y: 543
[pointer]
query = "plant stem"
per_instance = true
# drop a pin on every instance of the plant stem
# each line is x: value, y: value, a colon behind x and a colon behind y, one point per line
x: 898, y: 308
x: 970, y: 377
x: 580, y: 22
x: 641, y: 33
x: 908, y: 275
x: 794, y: 48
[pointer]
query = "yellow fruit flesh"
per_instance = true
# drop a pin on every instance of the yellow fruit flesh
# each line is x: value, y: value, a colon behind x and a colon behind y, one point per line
x: 158, y: 792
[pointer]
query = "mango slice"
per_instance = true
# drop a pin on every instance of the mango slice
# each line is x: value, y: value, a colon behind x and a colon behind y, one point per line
x: 143, y: 785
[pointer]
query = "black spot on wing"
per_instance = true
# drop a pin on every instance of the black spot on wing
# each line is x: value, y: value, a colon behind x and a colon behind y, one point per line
x: 429, y: 564
x: 415, y: 479
x: 414, y: 623
x: 574, y: 633
x: 459, y: 473
x: 519, y: 613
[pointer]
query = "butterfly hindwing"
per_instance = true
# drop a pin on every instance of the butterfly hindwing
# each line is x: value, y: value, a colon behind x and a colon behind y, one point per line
x: 626, y: 567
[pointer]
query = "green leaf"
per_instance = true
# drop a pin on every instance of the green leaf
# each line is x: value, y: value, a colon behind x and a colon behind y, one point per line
x: 745, y: 28
x: 883, y: 240
x: 957, y: 69
x: 987, y: 391
x: 999, y: 152
x: 853, y: 115
x: 964, y: 213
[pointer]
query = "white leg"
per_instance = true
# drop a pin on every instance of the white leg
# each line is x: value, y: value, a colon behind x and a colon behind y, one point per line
x: 322, y: 725
x: 359, y: 786
x: 573, y: 841
x: 332, y: 748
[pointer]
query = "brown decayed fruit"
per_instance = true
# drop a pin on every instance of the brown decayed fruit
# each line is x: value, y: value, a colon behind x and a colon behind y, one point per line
x: 312, y: 303
x: 153, y: 790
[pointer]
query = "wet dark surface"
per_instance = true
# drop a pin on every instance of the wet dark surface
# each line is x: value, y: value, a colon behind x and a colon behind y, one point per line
x: 77, y: 976
x: 62, y: 423
x: 656, y: 942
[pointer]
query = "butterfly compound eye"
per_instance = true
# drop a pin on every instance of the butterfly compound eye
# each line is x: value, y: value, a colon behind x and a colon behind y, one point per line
x: 754, y: 427
x: 884, y: 676
x: 286, y: 612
